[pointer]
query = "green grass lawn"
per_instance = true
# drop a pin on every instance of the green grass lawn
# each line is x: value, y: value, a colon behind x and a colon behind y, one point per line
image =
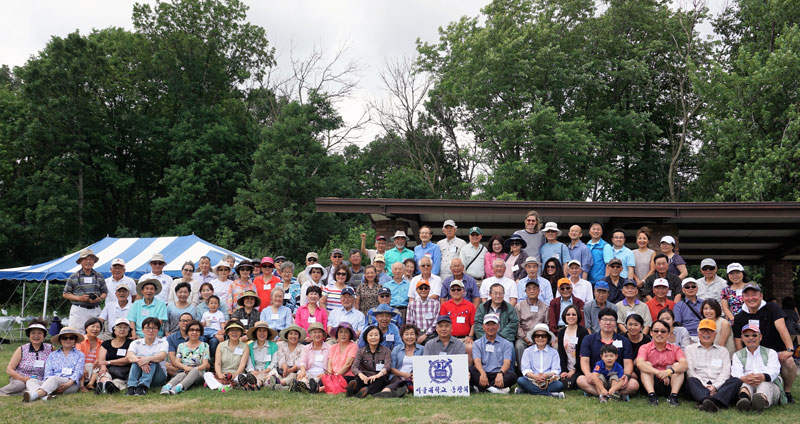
x: 203, y: 405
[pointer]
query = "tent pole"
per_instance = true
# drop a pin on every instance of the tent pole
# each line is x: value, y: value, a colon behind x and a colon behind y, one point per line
x: 22, y: 312
x: 44, y: 308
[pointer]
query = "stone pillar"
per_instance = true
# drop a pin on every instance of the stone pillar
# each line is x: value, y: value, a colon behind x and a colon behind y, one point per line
x: 388, y: 227
x: 780, y: 275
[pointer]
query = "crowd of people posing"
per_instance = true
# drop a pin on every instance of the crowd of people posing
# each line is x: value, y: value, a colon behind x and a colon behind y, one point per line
x: 528, y: 311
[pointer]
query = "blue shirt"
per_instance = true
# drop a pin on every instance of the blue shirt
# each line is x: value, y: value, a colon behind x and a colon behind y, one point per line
x: 174, y: 339
x: 391, y: 338
x: 291, y: 297
x: 399, y: 352
x: 598, y: 251
x: 139, y: 311
x: 277, y: 320
x: 393, y: 255
x: 384, y: 278
x: 471, y: 290
x: 540, y: 361
x: 492, y: 354
x: 399, y: 293
x: 625, y: 255
x: 600, y: 368
x: 397, y: 318
x: 68, y: 366
x: 432, y: 251
x: 581, y: 253
x: 545, y: 290
x: 556, y: 250
x: 353, y: 316
x: 685, y: 316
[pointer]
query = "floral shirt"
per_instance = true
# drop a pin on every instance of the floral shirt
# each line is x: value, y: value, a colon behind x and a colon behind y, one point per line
x: 32, y: 362
x: 237, y: 289
x: 192, y: 357
x: 735, y: 301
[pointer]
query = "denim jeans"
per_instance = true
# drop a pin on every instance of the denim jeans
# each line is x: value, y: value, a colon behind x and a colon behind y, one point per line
x: 527, y: 386
x: 137, y: 377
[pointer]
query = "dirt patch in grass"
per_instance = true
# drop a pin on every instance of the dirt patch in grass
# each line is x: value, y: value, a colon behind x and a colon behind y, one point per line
x: 150, y: 408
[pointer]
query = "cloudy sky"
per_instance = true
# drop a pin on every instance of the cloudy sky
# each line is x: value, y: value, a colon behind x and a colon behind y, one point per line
x: 373, y: 31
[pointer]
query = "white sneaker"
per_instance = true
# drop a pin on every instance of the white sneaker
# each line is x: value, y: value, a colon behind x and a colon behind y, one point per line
x: 506, y: 390
x: 517, y: 391
x: 494, y: 390
x: 558, y: 395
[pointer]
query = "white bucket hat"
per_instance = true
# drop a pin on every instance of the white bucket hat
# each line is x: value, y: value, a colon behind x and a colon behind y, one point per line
x: 551, y: 226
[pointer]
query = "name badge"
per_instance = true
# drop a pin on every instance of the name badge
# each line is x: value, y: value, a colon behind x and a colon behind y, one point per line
x: 87, y: 280
x: 267, y: 287
x: 515, y: 268
x: 442, y: 353
x: 427, y: 315
x: 617, y: 344
x: 753, y: 323
x: 629, y: 313
x: 716, y: 362
x: 461, y: 320
x: 273, y: 317
x: 535, y: 308
x: 39, y: 363
x: 267, y: 358
x: 489, y: 348
x: 669, y: 293
x: 238, y: 351
x: 66, y: 371
x: 379, y: 367
x: 453, y: 249
x: 122, y: 352
x: 287, y: 295
x: 428, y: 255
x: 390, y: 337
x: 318, y: 357
x: 244, y: 321
x: 573, y: 339
x: 311, y: 320
x: 145, y: 312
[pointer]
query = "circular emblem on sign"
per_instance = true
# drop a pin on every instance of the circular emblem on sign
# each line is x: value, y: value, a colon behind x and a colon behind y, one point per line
x: 440, y: 371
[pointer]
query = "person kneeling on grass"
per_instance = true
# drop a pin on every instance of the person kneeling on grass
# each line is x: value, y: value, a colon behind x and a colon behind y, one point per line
x: 541, y: 366
x: 608, y: 373
x: 371, y: 366
x: 62, y: 370
x: 759, y: 369
x: 191, y: 360
x: 491, y: 356
x: 148, y: 359
x: 662, y: 365
x: 231, y: 359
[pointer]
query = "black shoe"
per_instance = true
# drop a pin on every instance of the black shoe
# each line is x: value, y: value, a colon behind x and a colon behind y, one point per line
x: 294, y: 387
x: 302, y: 387
x: 111, y: 388
x: 131, y: 391
x: 789, y: 398
x: 99, y: 388
x: 241, y: 380
x: 362, y: 393
x: 673, y: 399
x: 400, y: 391
x: 387, y: 394
x: 141, y: 390
x: 759, y: 402
x: 252, y: 382
x: 743, y: 404
x: 313, y: 385
x: 652, y: 400
x: 709, y: 405
x: 351, y: 388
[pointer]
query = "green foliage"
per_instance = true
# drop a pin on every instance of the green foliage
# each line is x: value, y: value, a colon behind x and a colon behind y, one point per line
x: 351, y: 239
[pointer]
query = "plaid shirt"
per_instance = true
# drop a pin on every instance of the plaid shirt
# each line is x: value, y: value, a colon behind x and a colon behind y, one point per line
x: 81, y: 283
x: 423, y: 314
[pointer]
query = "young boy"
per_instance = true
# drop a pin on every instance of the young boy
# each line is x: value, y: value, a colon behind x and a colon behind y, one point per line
x: 607, y: 373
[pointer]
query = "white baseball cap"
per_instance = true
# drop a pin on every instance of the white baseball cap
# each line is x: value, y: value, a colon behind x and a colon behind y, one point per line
x: 118, y: 261
x: 668, y: 239
x: 688, y: 280
x: 735, y: 266
x: 708, y: 262
x: 451, y: 223
x: 661, y: 282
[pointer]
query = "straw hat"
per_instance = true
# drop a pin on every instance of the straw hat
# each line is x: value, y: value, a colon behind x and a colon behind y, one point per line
x: 154, y: 281
x: 85, y: 253
x: 292, y: 327
x: 251, y: 333
x: 249, y: 293
x: 56, y: 340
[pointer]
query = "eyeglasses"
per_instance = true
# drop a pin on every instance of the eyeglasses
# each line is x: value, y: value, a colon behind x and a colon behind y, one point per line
x: 337, y: 256
x: 423, y: 288
x: 690, y: 287
x: 708, y: 268
x: 188, y: 270
x: 192, y: 330
x: 658, y: 331
x: 69, y: 337
x: 615, y: 266
x: 536, y: 336
x: 550, y: 267
x: 150, y: 328
x: 565, y: 288
x: 267, y: 266
x: 341, y: 273
x: 385, y: 295
x: 456, y: 289
x: 515, y: 243
x: 311, y: 260
x: 530, y: 220
x: 608, y: 319
x: 425, y: 265
x: 750, y: 335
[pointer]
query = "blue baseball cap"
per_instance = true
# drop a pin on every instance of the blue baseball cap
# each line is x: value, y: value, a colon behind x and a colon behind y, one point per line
x: 348, y: 290
x: 601, y: 285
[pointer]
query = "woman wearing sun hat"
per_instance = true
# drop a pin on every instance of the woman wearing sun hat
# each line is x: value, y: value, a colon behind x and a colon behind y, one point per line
x: 27, y: 361
x: 341, y: 357
x: 287, y: 360
x: 231, y: 358
x: 221, y: 284
x: 63, y: 368
x: 262, y: 358
x: 313, y: 360
x: 247, y: 313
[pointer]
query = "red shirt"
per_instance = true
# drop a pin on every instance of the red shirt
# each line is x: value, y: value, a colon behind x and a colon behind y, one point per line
x: 660, y: 359
x: 264, y: 291
x: 462, y: 314
x: 656, y: 307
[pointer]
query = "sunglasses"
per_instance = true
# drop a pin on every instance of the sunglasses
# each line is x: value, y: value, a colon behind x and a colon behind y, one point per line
x: 188, y: 270
x: 423, y: 288
x: 615, y: 266
x: 536, y: 336
x: 342, y: 273
x: 267, y: 266
x: 456, y: 289
x: 658, y: 331
x: 515, y: 243
x: 311, y: 260
x: 337, y: 256
x: 550, y: 267
x: 385, y: 295
x: 69, y: 337
x: 690, y: 287
x: 194, y: 329
x: 749, y: 335
x: 708, y: 268
x: 425, y: 265
x: 565, y: 288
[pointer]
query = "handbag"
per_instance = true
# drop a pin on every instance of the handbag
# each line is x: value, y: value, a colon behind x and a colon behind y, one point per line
x: 333, y: 384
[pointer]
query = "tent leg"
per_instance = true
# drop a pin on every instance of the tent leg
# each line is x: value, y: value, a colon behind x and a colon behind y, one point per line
x: 44, y: 308
x: 22, y: 312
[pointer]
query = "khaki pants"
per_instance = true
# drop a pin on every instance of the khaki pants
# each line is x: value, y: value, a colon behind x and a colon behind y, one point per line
x: 50, y: 385
x: 187, y: 380
x: 78, y: 315
x: 769, y: 389
x: 14, y: 387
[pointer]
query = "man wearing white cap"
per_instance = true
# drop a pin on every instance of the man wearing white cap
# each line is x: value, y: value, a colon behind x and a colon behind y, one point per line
x: 398, y: 253
x: 711, y: 285
x: 86, y: 289
x: 759, y: 369
x: 689, y: 311
x: 450, y: 246
x: 581, y: 288
x: 491, y: 356
x: 118, y: 278
x: 554, y: 248
x: 157, y: 264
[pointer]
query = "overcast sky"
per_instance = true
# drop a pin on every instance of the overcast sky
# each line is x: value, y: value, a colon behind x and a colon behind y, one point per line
x: 373, y: 31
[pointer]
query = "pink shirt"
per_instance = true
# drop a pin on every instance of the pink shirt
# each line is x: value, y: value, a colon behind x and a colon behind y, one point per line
x: 488, y: 259
x: 301, y: 318
x: 309, y: 356
x: 660, y: 359
x: 337, y: 359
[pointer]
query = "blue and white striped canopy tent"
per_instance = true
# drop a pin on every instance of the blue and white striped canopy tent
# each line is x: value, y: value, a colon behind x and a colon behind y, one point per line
x: 135, y: 251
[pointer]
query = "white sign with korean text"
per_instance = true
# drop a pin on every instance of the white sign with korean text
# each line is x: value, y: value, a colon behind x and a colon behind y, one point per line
x: 441, y: 375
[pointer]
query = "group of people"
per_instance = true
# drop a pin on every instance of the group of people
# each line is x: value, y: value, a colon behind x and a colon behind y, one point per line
x: 528, y: 311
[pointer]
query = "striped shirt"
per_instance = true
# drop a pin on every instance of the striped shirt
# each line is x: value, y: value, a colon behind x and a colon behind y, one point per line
x: 423, y: 314
x: 81, y: 283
